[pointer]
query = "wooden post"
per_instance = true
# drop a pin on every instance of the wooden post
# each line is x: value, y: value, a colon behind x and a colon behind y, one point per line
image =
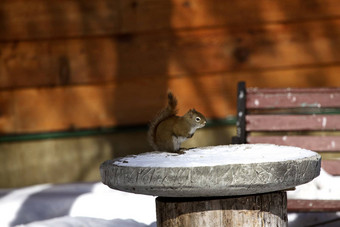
x: 241, y: 114
x: 268, y: 209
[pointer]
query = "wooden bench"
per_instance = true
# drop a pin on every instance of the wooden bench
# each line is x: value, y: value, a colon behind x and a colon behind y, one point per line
x: 302, y: 117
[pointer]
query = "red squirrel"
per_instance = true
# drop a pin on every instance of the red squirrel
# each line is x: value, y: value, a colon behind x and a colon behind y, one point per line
x: 167, y: 130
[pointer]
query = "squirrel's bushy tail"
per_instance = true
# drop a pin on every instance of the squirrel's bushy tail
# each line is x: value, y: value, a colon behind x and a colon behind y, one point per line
x: 170, y: 110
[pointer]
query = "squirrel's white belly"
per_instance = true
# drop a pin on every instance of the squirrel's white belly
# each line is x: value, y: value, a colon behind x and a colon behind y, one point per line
x: 177, y: 141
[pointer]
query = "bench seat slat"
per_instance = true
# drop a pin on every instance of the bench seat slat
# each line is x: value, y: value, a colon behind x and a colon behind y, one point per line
x: 299, y: 205
x: 331, y: 166
x: 314, y: 143
x: 292, y: 122
x: 292, y: 100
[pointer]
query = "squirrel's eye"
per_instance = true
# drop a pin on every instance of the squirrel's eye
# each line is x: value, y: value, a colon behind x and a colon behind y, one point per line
x: 198, y: 119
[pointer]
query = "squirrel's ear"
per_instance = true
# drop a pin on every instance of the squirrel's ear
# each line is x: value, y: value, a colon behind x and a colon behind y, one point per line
x: 193, y: 111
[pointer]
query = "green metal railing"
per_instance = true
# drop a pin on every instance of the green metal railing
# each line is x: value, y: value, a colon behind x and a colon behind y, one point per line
x: 229, y: 121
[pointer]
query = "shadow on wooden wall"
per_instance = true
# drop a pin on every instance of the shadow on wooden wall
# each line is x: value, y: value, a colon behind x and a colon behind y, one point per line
x: 108, y: 63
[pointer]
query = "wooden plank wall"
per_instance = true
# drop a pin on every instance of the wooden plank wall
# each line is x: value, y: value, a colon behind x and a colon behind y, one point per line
x: 83, y: 64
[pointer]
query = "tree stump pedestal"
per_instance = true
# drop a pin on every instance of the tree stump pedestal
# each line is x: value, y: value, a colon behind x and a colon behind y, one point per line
x: 268, y: 209
x: 232, y: 185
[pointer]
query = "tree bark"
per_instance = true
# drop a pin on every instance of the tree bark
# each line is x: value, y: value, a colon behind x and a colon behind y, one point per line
x: 268, y: 209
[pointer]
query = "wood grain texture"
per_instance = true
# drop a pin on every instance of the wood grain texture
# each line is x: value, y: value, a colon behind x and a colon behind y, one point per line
x: 292, y: 122
x: 7, y: 119
x: 314, y: 143
x: 40, y: 20
x: 301, y: 91
x: 123, y: 103
x: 332, y: 167
x: 256, y: 210
x: 295, y: 205
x: 290, y: 99
x: 134, y: 101
x: 270, y: 47
x: 70, y: 108
x: 57, y: 62
x: 176, y: 14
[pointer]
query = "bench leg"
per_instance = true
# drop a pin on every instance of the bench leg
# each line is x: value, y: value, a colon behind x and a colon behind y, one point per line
x: 268, y: 209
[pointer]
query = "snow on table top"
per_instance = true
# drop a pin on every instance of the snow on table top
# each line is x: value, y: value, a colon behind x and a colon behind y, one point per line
x: 217, y: 155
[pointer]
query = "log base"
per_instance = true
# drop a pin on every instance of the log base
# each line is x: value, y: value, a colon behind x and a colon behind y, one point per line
x: 269, y: 209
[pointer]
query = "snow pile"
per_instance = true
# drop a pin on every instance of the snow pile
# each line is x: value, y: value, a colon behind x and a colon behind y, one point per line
x: 84, y: 221
x: 218, y: 155
x: 113, y: 204
x: 95, y: 201
x: 324, y: 187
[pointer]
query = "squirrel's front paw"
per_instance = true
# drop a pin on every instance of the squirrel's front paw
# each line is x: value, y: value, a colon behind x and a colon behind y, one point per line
x: 182, y: 150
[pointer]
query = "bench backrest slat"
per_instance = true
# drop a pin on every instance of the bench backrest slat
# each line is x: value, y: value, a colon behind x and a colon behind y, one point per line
x: 314, y: 143
x: 303, y: 117
x: 293, y: 98
x: 292, y: 122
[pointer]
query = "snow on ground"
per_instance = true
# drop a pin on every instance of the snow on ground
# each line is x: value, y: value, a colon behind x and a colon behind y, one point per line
x: 86, y: 222
x: 73, y: 202
x: 324, y: 187
x: 114, y: 204
x: 94, y: 204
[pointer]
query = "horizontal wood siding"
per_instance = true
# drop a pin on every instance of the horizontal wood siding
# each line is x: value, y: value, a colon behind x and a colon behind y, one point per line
x: 77, y: 107
x: 292, y: 122
x: 314, y: 143
x: 212, y: 94
x: 169, y: 53
x: 41, y: 19
x: 67, y: 65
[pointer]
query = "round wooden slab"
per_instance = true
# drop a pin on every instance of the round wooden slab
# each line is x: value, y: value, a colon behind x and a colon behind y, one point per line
x: 213, y: 171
